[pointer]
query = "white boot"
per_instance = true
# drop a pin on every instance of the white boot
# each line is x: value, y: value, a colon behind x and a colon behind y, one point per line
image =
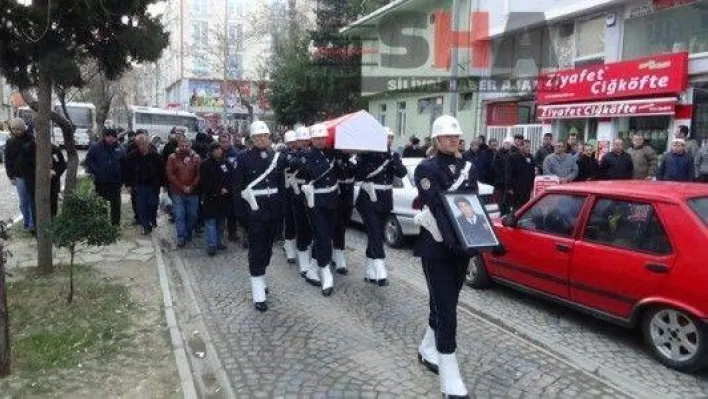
x: 338, y: 258
x: 381, y: 273
x: 451, y: 383
x: 327, y: 281
x: 313, y: 276
x: 303, y: 261
x: 290, y: 251
x: 258, y: 287
x: 370, y: 276
x: 427, y: 352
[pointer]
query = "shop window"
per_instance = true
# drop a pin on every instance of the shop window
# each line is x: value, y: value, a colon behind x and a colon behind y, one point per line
x: 502, y: 114
x: 654, y: 129
x: 562, y: 45
x: 699, y: 126
x: 382, y: 114
x: 465, y: 101
x: 681, y: 28
x: 572, y: 126
x: 401, y: 118
x: 590, y: 39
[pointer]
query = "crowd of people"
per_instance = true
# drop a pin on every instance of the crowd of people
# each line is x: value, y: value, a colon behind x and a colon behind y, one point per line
x: 512, y: 169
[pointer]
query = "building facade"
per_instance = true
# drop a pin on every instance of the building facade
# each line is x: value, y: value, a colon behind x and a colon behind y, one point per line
x: 214, y: 57
x: 601, y: 69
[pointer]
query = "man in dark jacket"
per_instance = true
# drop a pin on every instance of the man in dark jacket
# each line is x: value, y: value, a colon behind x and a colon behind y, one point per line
x: 13, y: 153
x: 201, y: 145
x: 524, y: 173
x: 128, y: 147
x: 617, y: 164
x: 482, y: 160
x: 414, y: 150
x: 58, y: 169
x: 678, y: 164
x: 217, y: 181
x: 144, y: 169
x: 501, y: 165
x: 588, y: 167
x: 545, y: 150
x: 104, y: 163
x: 230, y: 154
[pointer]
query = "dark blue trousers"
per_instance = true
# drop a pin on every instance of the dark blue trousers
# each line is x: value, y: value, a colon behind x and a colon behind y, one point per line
x: 261, y: 235
x: 374, y: 222
x: 146, y: 200
x: 445, y: 279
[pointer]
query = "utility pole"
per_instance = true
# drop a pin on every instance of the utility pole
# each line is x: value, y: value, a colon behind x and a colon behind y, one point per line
x: 454, y: 67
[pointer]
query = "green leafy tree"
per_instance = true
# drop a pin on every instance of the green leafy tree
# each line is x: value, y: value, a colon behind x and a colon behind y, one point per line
x: 43, y: 47
x: 84, y: 220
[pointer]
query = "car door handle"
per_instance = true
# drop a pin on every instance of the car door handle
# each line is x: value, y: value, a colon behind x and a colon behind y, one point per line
x: 563, y: 248
x: 657, y: 268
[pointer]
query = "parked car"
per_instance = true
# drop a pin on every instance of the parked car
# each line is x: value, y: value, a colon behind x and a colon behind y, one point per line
x: 4, y: 136
x: 631, y: 253
x: 400, y: 223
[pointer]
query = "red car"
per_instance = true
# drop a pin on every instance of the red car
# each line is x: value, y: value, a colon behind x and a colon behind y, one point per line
x: 630, y: 252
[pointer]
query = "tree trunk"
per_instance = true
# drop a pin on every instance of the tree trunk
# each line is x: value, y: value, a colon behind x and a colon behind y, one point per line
x: 72, y: 159
x: 72, y: 251
x: 43, y: 165
x: 4, y: 321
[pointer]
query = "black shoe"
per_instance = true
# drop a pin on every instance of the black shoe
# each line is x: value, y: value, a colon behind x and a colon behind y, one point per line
x: 303, y: 274
x: 313, y: 283
x: 343, y: 271
x: 211, y: 251
x: 291, y: 261
x: 368, y: 280
x: 430, y: 366
x: 266, y: 291
x: 382, y: 283
x: 153, y: 224
x: 261, y: 306
x: 456, y: 396
x: 222, y: 247
x: 328, y: 291
x: 181, y: 243
x: 147, y: 230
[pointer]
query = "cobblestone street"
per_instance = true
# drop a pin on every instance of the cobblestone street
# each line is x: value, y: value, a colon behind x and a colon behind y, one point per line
x: 361, y: 342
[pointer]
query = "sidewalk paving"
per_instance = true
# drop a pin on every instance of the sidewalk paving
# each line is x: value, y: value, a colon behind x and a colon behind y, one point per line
x: 361, y: 342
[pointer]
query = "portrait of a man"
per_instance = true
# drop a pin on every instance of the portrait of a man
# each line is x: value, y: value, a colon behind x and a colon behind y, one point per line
x: 472, y: 222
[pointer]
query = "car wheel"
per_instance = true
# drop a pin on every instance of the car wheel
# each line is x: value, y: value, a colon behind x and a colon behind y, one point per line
x: 477, y: 275
x: 393, y: 234
x: 676, y: 338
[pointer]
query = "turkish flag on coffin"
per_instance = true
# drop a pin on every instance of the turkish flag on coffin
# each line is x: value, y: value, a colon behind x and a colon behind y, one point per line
x: 358, y: 131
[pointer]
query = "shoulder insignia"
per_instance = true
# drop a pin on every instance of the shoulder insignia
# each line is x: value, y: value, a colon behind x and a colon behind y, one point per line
x: 453, y: 169
x: 425, y: 183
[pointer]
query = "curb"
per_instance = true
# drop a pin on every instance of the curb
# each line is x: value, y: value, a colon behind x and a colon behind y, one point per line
x: 178, y: 346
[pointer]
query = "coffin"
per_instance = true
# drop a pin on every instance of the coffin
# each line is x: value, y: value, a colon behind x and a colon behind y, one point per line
x: 358, y: 131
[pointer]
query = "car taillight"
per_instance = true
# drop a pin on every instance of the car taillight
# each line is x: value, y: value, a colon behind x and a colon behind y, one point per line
x: 417, y: 204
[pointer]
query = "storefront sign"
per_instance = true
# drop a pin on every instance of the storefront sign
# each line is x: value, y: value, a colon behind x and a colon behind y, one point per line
x: 650, y: 76
x: 541, y: 183
x: 613, y: 109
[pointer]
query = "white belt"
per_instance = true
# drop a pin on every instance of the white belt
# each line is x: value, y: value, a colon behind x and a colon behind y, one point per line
x: 383, y: 187
x: 265, y: 191
x: 300, y: 181
x: 327, y: 189
x: 347, y: 181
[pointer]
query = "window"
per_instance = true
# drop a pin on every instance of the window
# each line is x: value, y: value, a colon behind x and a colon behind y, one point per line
x: 401, y: 118
x: 200, y: 32
x: 625, y: 224
x: 199, y: 7
x: 700, y: 206
x: 590, y: 39
x: 682, y: 28
x: 555, y: 214
x: 382, y: 114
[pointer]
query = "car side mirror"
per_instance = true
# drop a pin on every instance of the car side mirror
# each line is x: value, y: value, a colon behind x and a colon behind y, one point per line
x: 509, y: 221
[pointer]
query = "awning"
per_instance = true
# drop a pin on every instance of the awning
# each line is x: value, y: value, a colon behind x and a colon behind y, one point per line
x: 609, y: 109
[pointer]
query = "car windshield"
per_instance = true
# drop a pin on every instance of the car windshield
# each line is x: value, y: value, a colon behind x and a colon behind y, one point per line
x: 700, y: 206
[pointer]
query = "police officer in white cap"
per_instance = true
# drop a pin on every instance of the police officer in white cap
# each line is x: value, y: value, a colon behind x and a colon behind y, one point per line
x: 375, y: 171
x: 321, y: 192
x: 290, y: 140
x: 303, y: 231
x: 444, y: 259
x: 260, y: 178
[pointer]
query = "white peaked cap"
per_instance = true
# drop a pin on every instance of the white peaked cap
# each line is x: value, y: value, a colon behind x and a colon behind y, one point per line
x: 446, y: 125
x: 290, y: 136
x: 259, y: 127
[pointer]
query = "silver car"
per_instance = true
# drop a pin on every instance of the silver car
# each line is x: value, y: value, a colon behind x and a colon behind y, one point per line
x: 400, y: 223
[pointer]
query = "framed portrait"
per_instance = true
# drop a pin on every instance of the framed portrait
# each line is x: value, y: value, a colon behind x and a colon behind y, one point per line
x: 470, y: 220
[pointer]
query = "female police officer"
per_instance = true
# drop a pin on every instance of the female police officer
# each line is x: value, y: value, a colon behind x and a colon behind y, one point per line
x: 444, y: 260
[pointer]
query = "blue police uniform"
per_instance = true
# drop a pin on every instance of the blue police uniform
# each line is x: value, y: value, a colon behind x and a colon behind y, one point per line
x: 265, y: 223
x: 444, y: 263
x: 289, y: 232
x: 303, y: 231
x: 380, y: 169
x: 346, y: 206
x: 320, y: 169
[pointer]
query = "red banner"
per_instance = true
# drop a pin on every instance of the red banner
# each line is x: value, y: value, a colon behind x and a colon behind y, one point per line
x: 650, y: 76
x: 613, y: 109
